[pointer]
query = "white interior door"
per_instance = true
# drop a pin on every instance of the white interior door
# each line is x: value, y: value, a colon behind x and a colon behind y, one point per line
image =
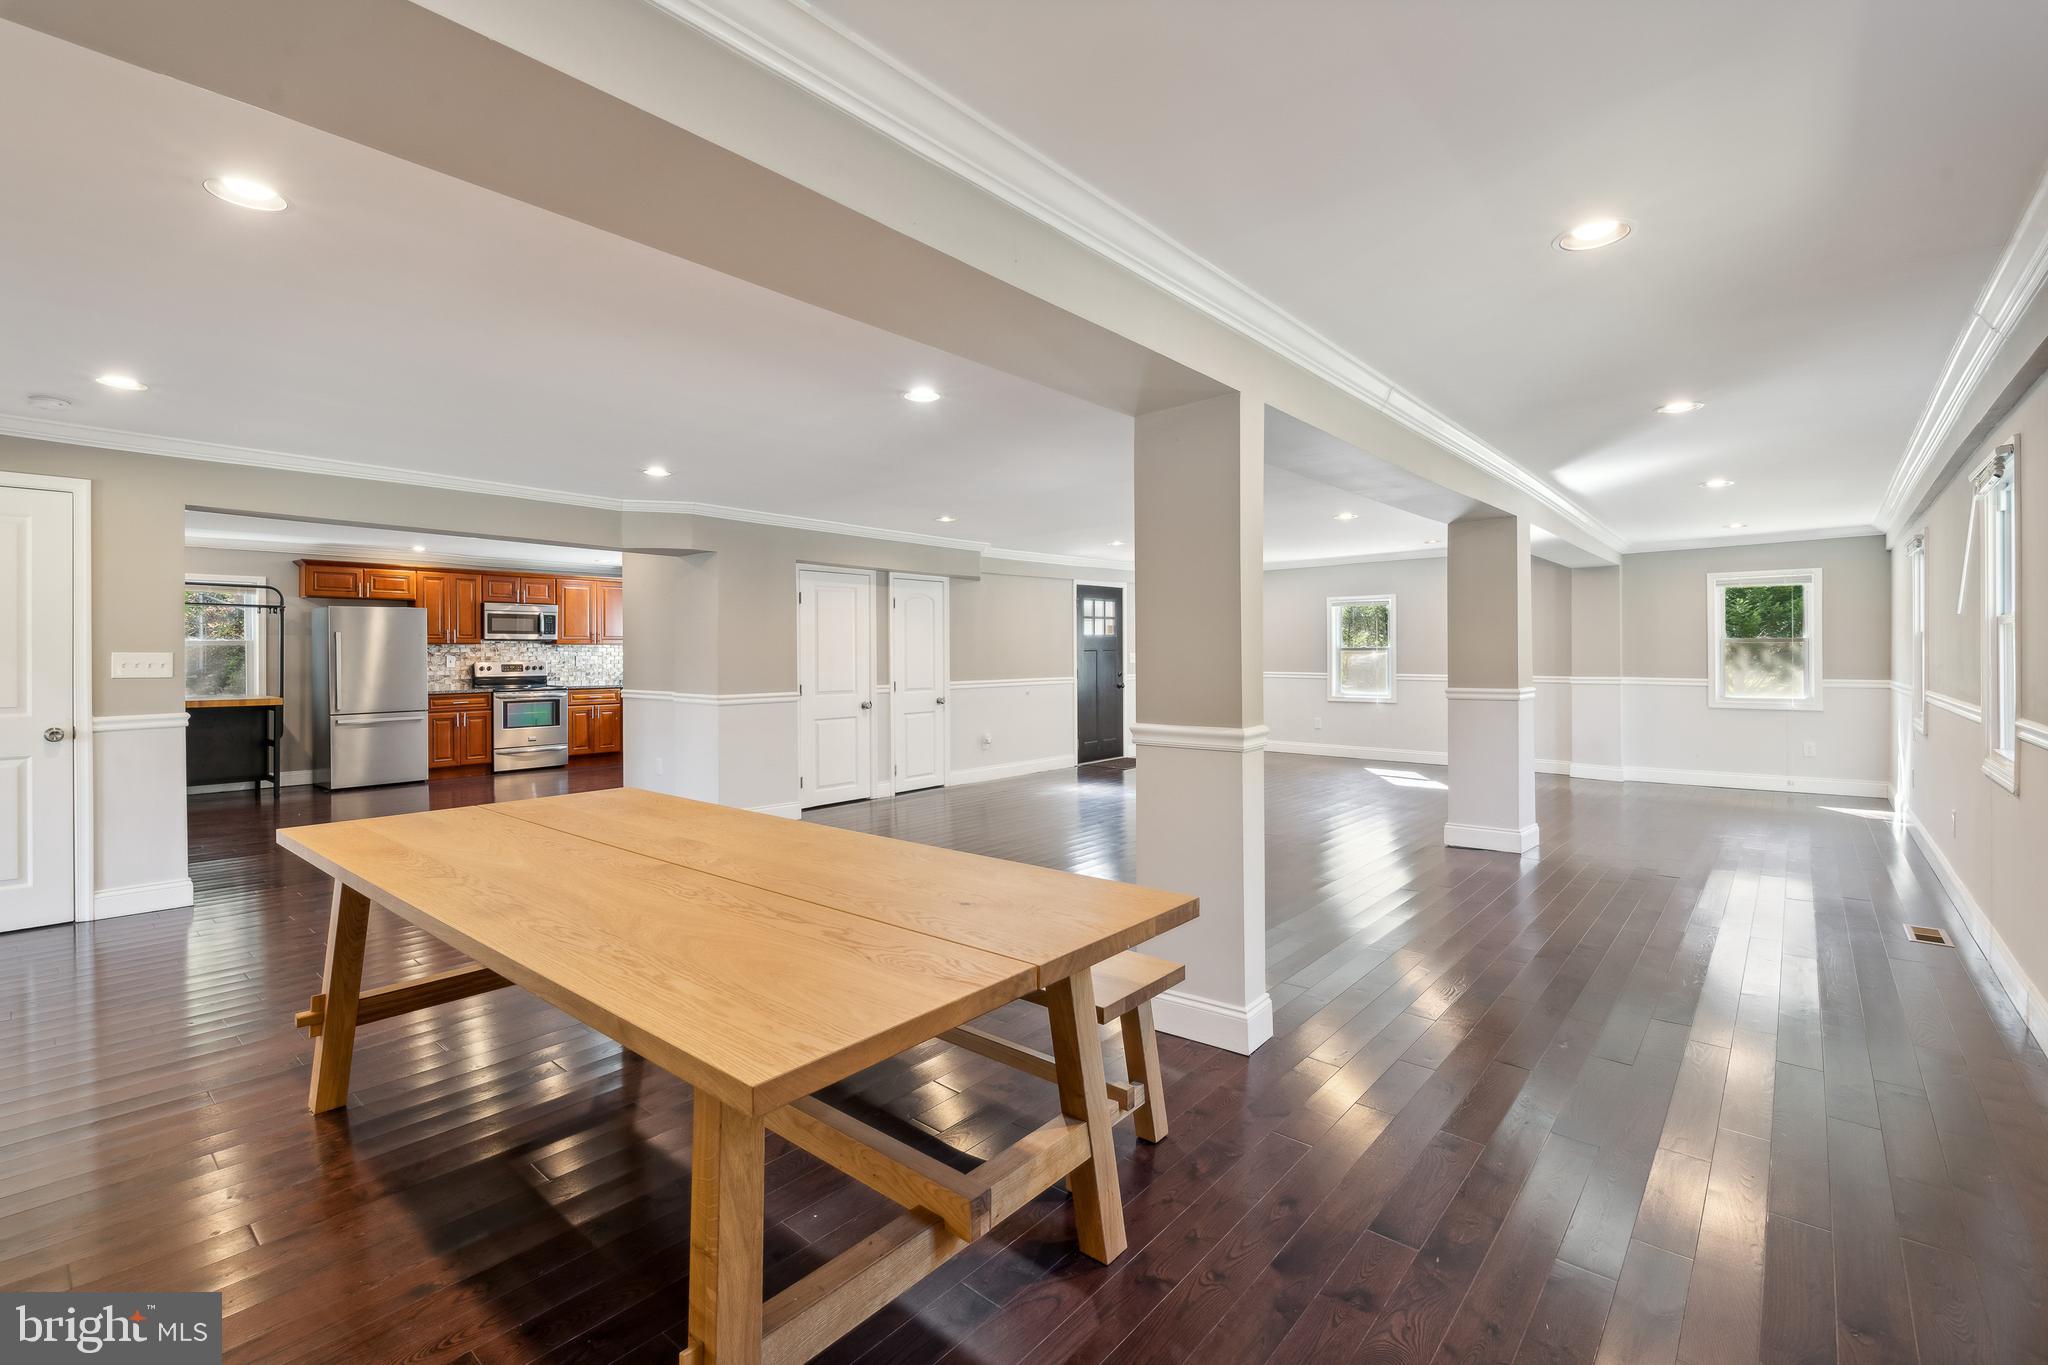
x: 835, y: 671
x: 37, y: 727
x: 917, y: 671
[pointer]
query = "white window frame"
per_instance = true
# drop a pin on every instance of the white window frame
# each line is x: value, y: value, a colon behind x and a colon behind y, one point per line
x: 1335, y: 673
x: 2000, y: 614
x: 1916, y: 574
x: 257, y: 642
x: 1717, y: 619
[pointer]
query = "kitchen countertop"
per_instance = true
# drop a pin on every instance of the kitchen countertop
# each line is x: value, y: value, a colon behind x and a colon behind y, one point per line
x: 480, y: 691
x: 215, y: 703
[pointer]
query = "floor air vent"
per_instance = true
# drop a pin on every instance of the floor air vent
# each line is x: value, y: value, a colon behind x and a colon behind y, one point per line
x: 1921, y: 933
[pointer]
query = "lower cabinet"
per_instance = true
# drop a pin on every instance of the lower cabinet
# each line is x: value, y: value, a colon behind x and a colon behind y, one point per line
x: 597, y: 719
x: 458, y: 729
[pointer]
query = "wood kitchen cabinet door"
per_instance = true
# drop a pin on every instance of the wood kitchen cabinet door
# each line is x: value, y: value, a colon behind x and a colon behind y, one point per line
x: 330, y: 580
x: 501, y: 587
x: 582, y: 727
x: 465, y: 609
x: 533, y: 588
x: 391, y: 585
x: 611, y: 612
x: 608, y: 733
x: 434, y: 597
x: 576, y: 624
x: 444, y: 739
x: 476, y: 735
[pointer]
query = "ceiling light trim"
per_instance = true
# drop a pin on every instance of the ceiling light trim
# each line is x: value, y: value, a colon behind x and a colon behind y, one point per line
x: 2011, y: 289
x: 814, y: 53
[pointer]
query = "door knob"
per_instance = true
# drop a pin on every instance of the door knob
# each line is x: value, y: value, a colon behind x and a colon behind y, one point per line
x: 867, y: 706
x: 942, y: 701
x: 56, y: 734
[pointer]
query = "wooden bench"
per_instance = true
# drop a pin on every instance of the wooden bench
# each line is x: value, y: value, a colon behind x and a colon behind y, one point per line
x: 1124, y: 987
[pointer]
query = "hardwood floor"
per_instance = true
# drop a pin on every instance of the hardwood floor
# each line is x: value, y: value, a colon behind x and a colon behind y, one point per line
x: 1679, y: 1089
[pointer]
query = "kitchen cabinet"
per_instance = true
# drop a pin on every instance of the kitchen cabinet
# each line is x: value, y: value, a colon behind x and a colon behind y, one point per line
x: 454, y: 606
x: 390, y: 585
x: 596, y: 721
x: 577, y: 622
x: 501, y: 587
x: 458, y: 729
x: 519, y: 587
x: 611, y: 621
x: 536, y: 588
x: 330, y: 580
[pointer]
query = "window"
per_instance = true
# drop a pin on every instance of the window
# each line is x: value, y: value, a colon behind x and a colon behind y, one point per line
x: 1764, y: 639
x: 1098, y: 616
x: 1361, y: 648
x: 2001, y: 593
x: 1916, y: 568
x: 223, y: 641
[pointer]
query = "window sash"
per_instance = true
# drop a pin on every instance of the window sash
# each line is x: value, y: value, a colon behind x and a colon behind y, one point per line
x: 2000, y: 584
x: 1730, y: 658
x: 1346, y: 661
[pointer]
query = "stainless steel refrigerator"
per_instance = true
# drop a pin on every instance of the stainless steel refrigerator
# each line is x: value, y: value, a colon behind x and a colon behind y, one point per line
x: 369, y: 670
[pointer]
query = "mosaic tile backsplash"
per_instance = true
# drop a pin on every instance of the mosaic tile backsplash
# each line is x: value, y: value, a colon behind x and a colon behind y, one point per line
x: 569, y: 665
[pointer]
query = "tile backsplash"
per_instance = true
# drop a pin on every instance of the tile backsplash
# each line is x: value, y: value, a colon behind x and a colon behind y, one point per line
x: 570, y: 665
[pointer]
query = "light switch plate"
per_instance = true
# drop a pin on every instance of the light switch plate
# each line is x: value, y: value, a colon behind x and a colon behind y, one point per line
x: 141, y: 665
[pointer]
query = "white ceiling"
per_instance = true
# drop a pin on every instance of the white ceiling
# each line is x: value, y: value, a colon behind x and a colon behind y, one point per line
x: 1818, y: 191
x: 278, y: 536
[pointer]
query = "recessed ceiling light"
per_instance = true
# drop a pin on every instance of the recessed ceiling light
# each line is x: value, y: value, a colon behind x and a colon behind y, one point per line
x: 47, y: 400
x: 1718, y: 483
x: 419, y: 549
x: 655, y: 471
x: 945, y: 518
x: 1593, y: 234
x: 245, y: 193
x: 1678, y: 407
x: 1118, y: 544
x: 1347, y: 516
x: 127, y: 383
x: 921, y: 393
x: 1737, y: 525
x: 1432, y: 542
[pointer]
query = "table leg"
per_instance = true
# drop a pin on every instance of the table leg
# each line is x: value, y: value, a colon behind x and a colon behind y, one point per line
x: 1077, y: 1055
x: 1141, y: 1060
x: 341, y: 985
x: 726, y: 1230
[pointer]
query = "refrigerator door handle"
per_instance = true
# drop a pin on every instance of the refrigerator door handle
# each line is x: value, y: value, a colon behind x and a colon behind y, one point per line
x: 404, y: 719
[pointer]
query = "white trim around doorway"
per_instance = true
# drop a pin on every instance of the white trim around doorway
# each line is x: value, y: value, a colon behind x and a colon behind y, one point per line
x: 81, y: 679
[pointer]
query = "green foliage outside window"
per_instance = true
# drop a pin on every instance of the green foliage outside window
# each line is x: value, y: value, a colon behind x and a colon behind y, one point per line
x: 216, y: 644
x: 1771, y: 612
x: 1362, y: 625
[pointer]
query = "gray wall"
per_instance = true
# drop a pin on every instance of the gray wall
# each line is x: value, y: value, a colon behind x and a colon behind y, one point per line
x: 1596, y: 623
x: 1550, y: 618
x: 1007, y: 626
x: 1664, y: 604
x: 1296, y: 601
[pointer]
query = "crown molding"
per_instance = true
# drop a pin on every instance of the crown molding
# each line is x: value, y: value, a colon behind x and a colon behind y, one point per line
x: 1337, y: 561
x: 836, y: 65
x: 2013, y: 285
x: 382, y: 553
x: 1063, y: 561
x: 1759, y: 538
x: 793, y: 523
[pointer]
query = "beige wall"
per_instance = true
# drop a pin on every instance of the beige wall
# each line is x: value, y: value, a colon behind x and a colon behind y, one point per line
x: 1664, y: 604
x: 1007, y: 626
x: 1550, y: 618
x: 1487, y: 592
x: 1954, y: 643
x: 1297, y: 629
x: 1596, y: 623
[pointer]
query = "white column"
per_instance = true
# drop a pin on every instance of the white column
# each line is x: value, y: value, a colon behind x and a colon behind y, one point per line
x: 1492, y: 694
x: 1200, y: 484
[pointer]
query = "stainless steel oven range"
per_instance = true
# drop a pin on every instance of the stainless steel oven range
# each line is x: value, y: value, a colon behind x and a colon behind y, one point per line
x: 529, y: 716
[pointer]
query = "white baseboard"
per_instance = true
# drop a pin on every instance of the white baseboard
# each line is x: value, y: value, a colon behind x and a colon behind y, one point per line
x: 2026, y: 997
x: 297, y: 777
x: 1491, y: 839
x: 1433, y: 758
x: 114, y: 901
x: 991, y: 772
x: 1197, y: 1017
x: 1599, y: 772
x: 788, y: 810
x: 1760, y: 782
x: 1559, y: 767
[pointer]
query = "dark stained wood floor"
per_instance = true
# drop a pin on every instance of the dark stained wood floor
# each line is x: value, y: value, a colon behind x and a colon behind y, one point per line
x: 1679, y: 1089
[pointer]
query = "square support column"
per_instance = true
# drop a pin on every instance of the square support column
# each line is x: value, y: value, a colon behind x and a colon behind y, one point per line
x: 1491, y: 697
x: 1200, y: 736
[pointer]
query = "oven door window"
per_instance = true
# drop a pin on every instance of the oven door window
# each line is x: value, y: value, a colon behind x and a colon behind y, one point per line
x: 540, y: 714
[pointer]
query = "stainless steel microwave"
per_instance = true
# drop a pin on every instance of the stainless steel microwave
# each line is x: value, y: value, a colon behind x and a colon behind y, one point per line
x: 505, y: 621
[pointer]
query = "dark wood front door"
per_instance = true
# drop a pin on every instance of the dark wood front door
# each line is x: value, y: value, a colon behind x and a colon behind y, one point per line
x: 1099, y: 671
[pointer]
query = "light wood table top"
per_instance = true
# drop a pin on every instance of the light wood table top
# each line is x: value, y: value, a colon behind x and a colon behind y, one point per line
x: 223, y: 703
x: 758, y: 958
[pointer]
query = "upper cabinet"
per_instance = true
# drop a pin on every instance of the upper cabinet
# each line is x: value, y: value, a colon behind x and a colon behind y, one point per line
x: 592, y: 610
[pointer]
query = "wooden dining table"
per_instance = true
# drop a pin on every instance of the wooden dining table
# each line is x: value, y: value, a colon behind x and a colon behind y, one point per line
x: 760, y: 960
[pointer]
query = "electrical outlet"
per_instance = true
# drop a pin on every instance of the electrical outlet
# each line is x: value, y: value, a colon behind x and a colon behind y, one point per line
x: 1812, y: 749
x: 140, y: 665
x: 1316, y: 724
x: 988, y: 741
